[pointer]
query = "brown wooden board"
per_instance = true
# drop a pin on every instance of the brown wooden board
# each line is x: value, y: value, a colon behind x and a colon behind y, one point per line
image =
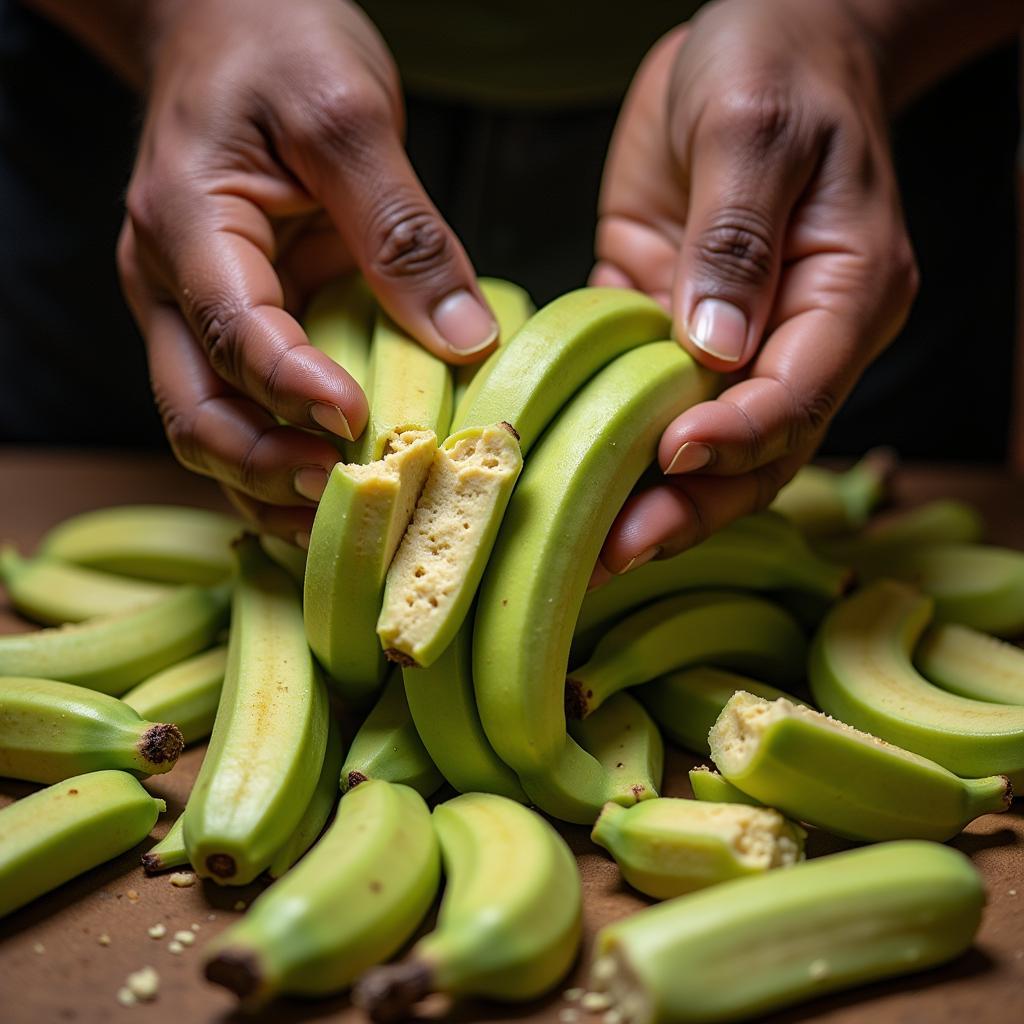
x: 53, y: 967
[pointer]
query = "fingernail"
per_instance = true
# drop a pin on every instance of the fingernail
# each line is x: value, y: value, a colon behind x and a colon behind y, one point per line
x: 332, y: 419
x: 637, y: 560
x: 302, y: 539
x: 310, y: 482
x: 464, y: 323
x: 692, y: 455
x: 719, y: 328
x: 599, y: 577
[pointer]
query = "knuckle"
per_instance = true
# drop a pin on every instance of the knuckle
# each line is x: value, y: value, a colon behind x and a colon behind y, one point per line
x: 736, y: 247
x: 809, y: 415
x: 180, y: 428
x: 754, y: 441
x: 409, y: 240
x: 342, y: 116
x: 219, y: 327
x: 756, y: 117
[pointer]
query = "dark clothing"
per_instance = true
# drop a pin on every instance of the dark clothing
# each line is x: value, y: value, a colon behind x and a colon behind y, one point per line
x: 520, y: 190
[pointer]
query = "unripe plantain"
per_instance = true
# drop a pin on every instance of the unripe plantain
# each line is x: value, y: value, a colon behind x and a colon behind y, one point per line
x: 50, y: 731
x: 753, y: 945
x: 269, y: 737
x: 709, y: 786
x: 167, y: 543
x: 972, y: 664
x: 57, y: 833
x: 667, y: 847
x: 170, y: 852
x: 819, y: 770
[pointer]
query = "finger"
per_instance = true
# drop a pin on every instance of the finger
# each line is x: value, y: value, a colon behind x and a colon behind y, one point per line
x: 213, y: 254
x: 292, y: 524
x: 346, y: 150
x: 747, y: 159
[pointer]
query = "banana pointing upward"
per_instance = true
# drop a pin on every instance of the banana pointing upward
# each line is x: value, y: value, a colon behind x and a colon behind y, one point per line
x: 510, y: 921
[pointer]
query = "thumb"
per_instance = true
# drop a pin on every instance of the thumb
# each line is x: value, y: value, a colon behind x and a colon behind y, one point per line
x: 748, y: 166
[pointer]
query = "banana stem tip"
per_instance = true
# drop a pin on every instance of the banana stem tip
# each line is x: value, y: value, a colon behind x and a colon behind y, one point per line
x: 237, y: 970
x: 577, y: 700
x: 161, y: 744
x: 388, y: 993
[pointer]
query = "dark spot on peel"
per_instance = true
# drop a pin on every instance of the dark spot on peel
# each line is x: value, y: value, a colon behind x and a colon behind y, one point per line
x: 576, y: 704
x: 375, y: 886
x: 72, y: 792
x: 400, y: 658
x: 221, y: 864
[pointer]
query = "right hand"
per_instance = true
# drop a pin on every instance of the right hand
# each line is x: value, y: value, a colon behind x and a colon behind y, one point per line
x: 270, y: 162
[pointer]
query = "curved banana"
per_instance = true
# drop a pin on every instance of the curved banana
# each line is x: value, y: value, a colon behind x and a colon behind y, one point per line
x: 862, y: 673
x: 170, y: 852
x: 388, y: 747
x: 359, y: 524
x: 53, y: 835
x: 729, y: 630
x: 709, y: 786
x: 971, y: 664
x: 50, y: 731
x: 351, y: 902
x: 572, y: 487
x: 52, y: 592
x: 667, y: 847
x: 269, y: 737
x: 186, y: 694
x: 166, y: 543
x: 510, y: 920
x: 321, y: 803
x: 685, y: 704
x: 753, y: 945
x: 831, y: 775
x: 291, y: 558
x: 976, y: 585
x: 112, y: 653
x: 437, y: 568
x: 822, y: 503
x: 443, y: 709
x: 759, y: 552
x: 512, y: 307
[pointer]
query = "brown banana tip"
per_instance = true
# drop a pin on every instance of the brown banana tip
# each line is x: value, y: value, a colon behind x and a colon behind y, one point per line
x: 161, y: 744
x: 400, y: 658
x: 237, y: 970
x: 222, y: 865
x: 505, y: 425
x: 577, y: 704
x: 1008, y: 796
x: 151, y: 863
x: 354, y: 778
x: 388, y: 993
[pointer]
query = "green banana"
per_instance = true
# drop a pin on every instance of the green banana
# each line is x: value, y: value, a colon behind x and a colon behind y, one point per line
x: 685, y: 704
x: 49, y: 837
x: 572, y: 487
x: 510, y: 920
x: 437, y: 568
x: 862, y: 673
x: 625, y: 742
x: 971, y: 664
x: 822, y: 771
x: 186, y: 694
x: 351, y: 902
x: 339, y: 320
x: 359, y: 524
x: 170, y: 852
x: 112, y: 653
x: 270, y: 733
x: 388, y: 747
x: 708, y: 785
x: 443, y: 708
x: 52, y: 592
x: 976, y: 585
x: 823, y: 503
x: 291, y: 558
x: 753, y: 945
x: 512, y: 307
x: 408, y: 388
x: 166, y: 543
x: 321, y: 803
x: 50, y: 731
x: 667, y: 847
x: 759, y: 552
x: 730, y: 630
x: 944, y: 521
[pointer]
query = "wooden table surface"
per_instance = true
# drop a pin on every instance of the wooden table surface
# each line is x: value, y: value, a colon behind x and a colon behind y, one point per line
x: 53, y: 968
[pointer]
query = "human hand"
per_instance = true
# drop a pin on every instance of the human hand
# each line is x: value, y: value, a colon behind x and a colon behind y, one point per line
x: 749, y: 188
x: 271, y: 161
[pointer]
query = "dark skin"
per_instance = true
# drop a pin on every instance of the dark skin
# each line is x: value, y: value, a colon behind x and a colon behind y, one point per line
x: 749, y: 188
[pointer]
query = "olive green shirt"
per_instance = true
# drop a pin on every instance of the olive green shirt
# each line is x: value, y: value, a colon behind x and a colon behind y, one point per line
x: 523, y: 53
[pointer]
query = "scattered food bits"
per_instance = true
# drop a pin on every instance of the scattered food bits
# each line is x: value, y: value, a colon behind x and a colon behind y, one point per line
x: 1013, y: 892
x: 183, y: 879
x: 144, y: 984
x: 38, y: 947
x: 194, y: 926
x: 604, y: 969
x: 185, y: 938
x: 175, y: 947
x: 156, y: 931
x: 210, y: 917
x: 573, y: 995
x: 612, y: 1017
x: 132, y: 895
x: 595, y: 1002
x: 104, y: 939
x: 568, y: 1015
x: 239, y: 905
x: 126, y: 997
x: 818, y: 969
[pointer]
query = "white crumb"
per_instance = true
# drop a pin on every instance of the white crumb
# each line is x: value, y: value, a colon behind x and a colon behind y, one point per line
x: 143, y: 984
x: 126, y: 997
x: 104, y: 939
x: 183, y: 879
x: 595, y: 1002
x: 157, y: 931
x: 38, y: 947
x: 185, y: 938
x: 573, y: 995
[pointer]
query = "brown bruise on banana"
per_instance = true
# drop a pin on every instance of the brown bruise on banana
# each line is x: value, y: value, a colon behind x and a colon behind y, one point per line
x: 577, y: 700
x: 444, y: 535
x: 161, y: 744
x: 389, y: 992
x: 353, y: 779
